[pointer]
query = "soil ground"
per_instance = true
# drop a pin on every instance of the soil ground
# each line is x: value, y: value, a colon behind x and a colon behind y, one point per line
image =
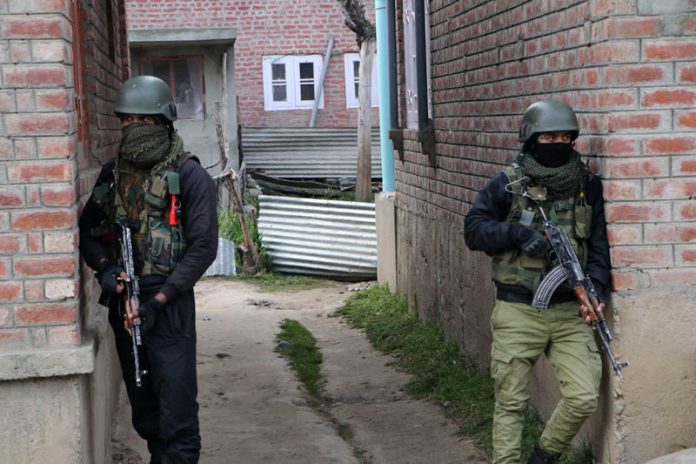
x: 253, y: 409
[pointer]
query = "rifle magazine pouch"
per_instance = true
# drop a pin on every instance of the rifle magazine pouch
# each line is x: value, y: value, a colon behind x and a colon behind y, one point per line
x: 583, y: 221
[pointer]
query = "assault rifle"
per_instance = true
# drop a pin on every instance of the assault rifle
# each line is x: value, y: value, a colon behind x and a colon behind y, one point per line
x: 132, y: 296
x: 568, y: 269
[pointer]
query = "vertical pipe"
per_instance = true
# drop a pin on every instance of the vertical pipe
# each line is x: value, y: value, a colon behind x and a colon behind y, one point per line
x: 320, y: 90
x: 386, y: 149
x: 421, y: 65
x: 391, y: 39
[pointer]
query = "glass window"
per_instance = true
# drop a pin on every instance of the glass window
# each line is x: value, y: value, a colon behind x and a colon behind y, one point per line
x: 291, y: 82
x: 184, y: 75
x: 352, y: 67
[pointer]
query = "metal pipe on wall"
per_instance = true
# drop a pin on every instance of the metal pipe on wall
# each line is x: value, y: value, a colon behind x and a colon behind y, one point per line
x: 383, y: 81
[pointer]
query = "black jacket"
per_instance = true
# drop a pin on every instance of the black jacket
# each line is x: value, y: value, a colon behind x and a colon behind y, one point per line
x: 198, y: 218
x: 485, y: 229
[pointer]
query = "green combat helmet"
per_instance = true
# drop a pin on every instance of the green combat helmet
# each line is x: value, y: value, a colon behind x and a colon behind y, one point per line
x: 548, y: 116
x: 146, y: 95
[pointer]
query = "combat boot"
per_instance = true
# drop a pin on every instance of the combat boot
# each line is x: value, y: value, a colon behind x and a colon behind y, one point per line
x: 539, y: 456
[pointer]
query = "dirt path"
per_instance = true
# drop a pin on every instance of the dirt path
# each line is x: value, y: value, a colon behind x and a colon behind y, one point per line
x: 254, y: 411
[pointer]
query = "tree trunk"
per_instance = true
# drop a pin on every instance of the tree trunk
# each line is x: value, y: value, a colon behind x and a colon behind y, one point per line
x: 363, y: 187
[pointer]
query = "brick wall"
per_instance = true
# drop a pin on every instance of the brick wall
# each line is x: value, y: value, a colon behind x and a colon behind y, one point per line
x: 628, y: 67
x: 278, y: 27
x: 43, y: 173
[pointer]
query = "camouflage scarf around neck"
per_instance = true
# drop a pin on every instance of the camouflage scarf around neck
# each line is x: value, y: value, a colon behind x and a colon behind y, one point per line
x: 560, y: 182
x: 135, y: 165
x: 144, y: 145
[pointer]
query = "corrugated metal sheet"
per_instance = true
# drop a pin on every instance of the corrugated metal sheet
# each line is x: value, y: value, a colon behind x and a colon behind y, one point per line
x: 319, y: 237
x: 306, y: 152
x: 224, y: 263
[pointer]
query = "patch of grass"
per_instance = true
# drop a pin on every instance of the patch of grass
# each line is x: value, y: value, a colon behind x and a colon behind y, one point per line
x: 440, y: 372
x: 230, y: 228
x: 301, y: 351
x: 275, y: 282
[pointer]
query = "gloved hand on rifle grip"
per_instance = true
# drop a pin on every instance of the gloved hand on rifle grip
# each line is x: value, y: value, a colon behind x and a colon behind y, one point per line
x: 532, y: 242
x: 150, y: 308
x: 108, y: 275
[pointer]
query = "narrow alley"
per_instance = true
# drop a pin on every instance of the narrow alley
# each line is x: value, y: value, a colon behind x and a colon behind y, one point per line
x: 253, y: 409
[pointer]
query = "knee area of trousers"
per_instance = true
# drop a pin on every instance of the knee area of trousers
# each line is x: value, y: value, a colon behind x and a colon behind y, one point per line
x: 583, y: 405
x: 514, y: 405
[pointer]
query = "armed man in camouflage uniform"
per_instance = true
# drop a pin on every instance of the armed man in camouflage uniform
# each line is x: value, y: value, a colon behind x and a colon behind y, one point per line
x: 170, y: 204
x: 509, y: 229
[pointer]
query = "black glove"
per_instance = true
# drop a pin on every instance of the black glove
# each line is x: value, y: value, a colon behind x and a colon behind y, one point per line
x: 532, y: 242
x: 108, y: 274
x: 150, y: 309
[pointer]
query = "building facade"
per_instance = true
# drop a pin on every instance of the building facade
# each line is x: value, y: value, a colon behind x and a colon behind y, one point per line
x: 279, y: 55
x: 628, y: 68
x: 61, y: 63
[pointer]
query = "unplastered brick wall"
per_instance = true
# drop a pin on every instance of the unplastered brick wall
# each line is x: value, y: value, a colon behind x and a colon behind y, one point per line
x: 40, y: 168
x: 627, y: 67
x: 264, y: 28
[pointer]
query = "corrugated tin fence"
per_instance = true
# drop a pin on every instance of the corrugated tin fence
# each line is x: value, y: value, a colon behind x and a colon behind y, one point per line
x: 306, y: 153
x: 319, y: 237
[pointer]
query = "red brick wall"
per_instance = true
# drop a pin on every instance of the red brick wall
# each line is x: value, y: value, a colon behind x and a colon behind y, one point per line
x: 627, y: 67
x: 277, y: 27
x: 42, y: 172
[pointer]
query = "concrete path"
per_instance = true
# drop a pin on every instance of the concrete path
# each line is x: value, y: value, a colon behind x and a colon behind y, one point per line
x: 253, y: 410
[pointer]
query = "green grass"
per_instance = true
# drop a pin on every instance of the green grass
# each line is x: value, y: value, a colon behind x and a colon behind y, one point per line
x: 275, y: 282
x: 230, y: 228
x: 440, y: 372
x: 303, y: 355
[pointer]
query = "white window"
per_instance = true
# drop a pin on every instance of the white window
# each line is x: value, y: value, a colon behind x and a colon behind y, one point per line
x: 291, y: 82
x: 352, y: 67
x: 410, y: 63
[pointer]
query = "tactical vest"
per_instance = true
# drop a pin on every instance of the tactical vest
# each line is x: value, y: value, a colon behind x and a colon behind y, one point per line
x: 514, y: 267
x: 158, y: 245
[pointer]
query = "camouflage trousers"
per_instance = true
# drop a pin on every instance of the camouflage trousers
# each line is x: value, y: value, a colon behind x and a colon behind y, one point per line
x: 521, y: 334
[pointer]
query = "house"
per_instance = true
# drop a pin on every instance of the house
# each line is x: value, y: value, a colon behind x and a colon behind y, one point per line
x: 61, y: 65
x: 295, y: 77
x: 628, y: 68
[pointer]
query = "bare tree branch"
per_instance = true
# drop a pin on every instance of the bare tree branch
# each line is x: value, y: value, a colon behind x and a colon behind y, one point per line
x: 356, y: 21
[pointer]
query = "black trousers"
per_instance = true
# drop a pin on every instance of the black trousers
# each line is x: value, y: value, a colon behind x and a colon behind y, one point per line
x: 164, y: 408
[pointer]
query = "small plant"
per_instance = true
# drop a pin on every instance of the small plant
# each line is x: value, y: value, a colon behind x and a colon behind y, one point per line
x: 275, y: 282
x: 230, y: 228
x: 299, y: 346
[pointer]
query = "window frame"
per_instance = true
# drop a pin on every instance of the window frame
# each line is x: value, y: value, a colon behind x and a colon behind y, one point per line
x: 350, y: 80
x: 147, y: 60
x: 293, y: 82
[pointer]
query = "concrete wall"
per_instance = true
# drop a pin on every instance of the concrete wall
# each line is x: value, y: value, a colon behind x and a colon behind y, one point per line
x: 200, y: 135
x: 278, y: 27
x: 627, y: 67
x: 60, y: 65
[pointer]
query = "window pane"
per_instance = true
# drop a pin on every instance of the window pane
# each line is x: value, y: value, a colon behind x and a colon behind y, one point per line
x: 306, y: 70
x: 188, y: 87
x: 160, y: 68
x: 278, y: 72
x: 356, y: 69
x: 357, y: 87
x: 280, y: 93
x: 307, y: 92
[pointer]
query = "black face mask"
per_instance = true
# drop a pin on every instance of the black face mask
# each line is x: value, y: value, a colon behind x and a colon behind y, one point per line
x: 553, y: 155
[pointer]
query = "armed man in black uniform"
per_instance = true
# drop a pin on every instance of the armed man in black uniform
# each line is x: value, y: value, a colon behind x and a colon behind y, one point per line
x: 169, y: 203
x: 509, y: 228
